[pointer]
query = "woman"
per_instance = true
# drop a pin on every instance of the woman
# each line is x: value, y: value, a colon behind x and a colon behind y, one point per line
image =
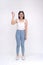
x: 21, y: 33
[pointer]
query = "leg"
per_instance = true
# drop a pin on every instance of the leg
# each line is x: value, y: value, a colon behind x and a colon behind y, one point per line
x: 18, y: 42
x: 22, y: 42
x: 22, y: 47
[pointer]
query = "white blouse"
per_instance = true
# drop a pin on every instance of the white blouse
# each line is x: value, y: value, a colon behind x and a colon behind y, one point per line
x: 20, y: 25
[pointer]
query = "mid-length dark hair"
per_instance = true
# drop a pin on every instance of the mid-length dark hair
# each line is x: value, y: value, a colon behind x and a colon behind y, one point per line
x: 23, y: 14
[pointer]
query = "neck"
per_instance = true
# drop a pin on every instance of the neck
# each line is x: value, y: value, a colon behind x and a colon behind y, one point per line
x: 21, y: 19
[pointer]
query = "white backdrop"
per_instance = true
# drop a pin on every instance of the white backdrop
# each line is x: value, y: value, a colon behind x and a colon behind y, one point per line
x: 34, y: 14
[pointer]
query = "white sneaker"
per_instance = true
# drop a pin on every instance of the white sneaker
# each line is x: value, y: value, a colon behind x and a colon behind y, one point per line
x: 23, y: 58
x: 17, y: 58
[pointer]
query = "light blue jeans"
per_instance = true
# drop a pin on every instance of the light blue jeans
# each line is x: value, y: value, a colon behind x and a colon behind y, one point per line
x: 20, y: 38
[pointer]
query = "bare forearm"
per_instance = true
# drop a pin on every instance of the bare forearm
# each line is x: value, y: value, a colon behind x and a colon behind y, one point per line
x: 26, y: 31
x: 12, y: 21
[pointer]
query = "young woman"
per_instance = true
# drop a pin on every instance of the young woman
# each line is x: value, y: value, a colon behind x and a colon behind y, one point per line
x: 21, y: 33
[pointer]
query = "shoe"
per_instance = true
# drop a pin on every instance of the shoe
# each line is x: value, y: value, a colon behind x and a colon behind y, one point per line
x: 17, y: 58
x: 23, y: 58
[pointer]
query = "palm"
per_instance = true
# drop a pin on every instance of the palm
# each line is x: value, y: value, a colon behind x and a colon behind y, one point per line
x: 13, y: 14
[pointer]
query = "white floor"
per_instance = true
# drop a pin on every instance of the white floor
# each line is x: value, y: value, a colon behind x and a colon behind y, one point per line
x: 34, y: 59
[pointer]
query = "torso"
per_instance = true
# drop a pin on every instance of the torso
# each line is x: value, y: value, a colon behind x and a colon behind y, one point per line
x: 20, y: 25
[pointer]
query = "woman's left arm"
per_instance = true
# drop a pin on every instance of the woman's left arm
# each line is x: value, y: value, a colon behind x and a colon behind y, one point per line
x: 26, y: 28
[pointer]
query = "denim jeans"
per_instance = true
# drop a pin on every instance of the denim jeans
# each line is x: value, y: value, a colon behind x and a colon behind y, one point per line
x: 20, y: 38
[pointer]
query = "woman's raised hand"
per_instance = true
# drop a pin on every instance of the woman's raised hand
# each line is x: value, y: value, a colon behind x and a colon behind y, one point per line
x: 13, y: 14
x: 13, y: 21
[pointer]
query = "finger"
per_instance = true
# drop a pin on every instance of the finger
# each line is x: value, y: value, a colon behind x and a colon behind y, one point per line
x: 12, y: 12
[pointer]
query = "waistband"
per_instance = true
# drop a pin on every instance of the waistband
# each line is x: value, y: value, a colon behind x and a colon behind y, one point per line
x: 20, y: 30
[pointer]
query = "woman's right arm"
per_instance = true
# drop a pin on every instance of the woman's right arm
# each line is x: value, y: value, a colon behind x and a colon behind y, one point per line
x: 13, y: 21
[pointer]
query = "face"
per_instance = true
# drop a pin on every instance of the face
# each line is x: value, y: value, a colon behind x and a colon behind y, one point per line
x: 21, y: 15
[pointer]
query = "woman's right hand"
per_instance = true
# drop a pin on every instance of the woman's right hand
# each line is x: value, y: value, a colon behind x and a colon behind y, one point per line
x: 13, y: 14
x: 13, y: 21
